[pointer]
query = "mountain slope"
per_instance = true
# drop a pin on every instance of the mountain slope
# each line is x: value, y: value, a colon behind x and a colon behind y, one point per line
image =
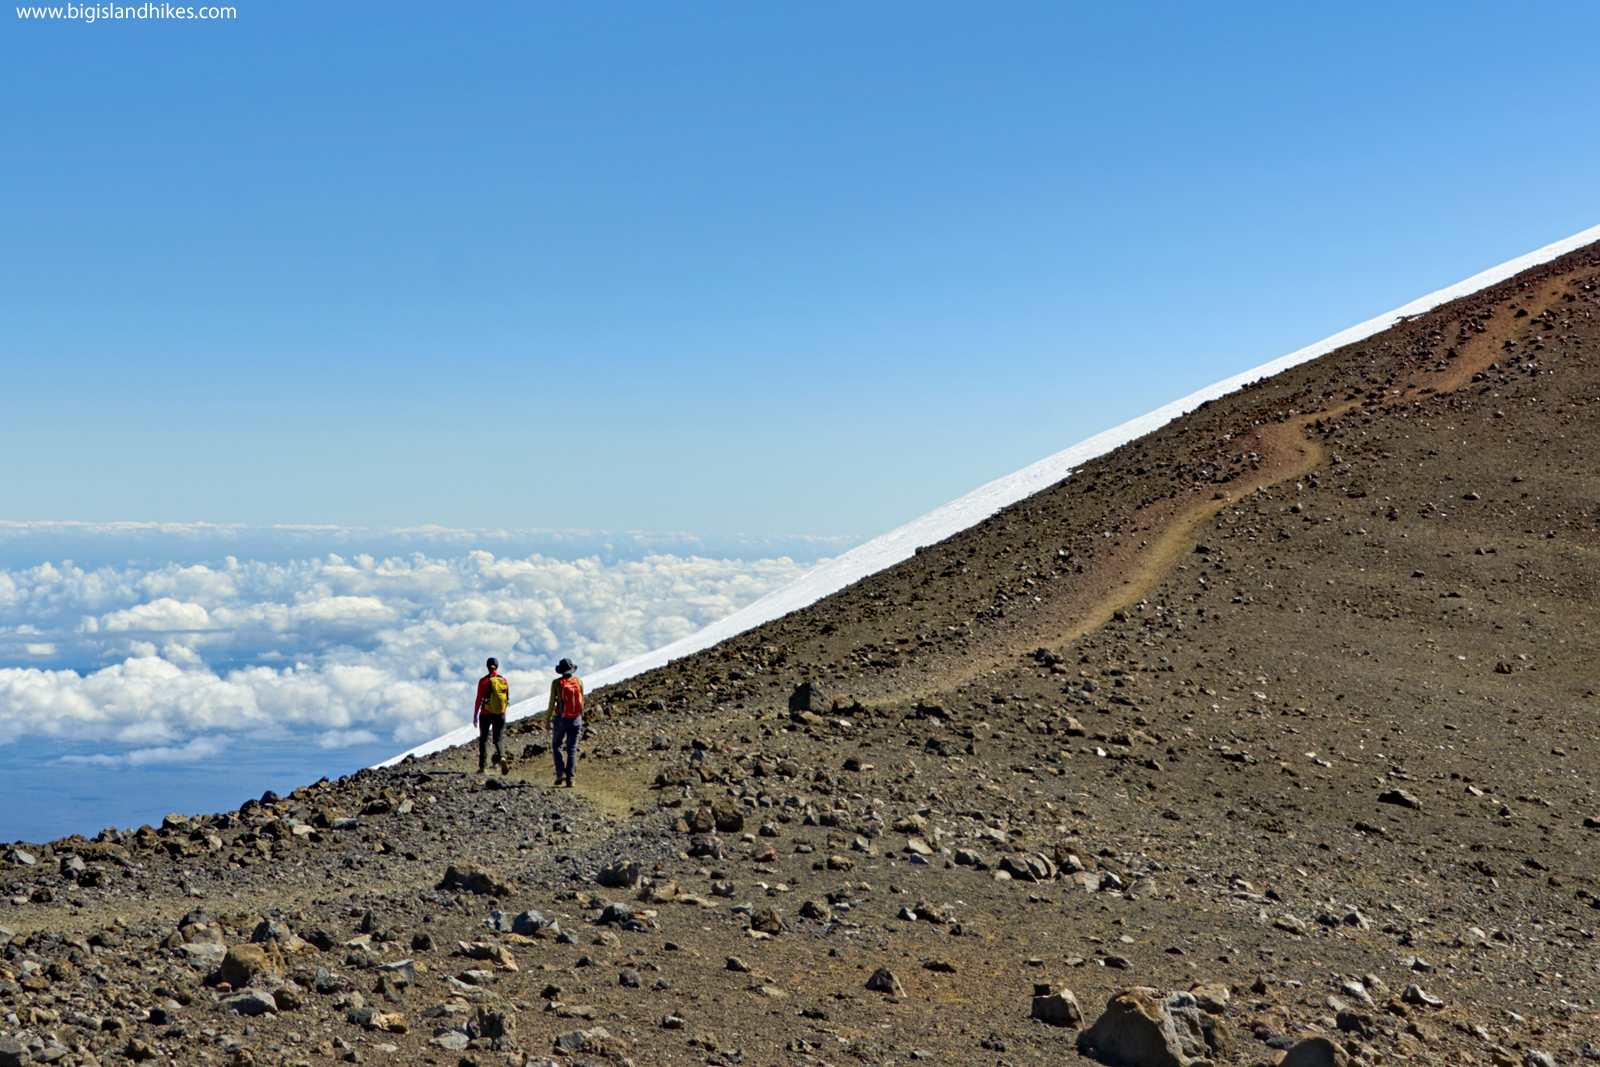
x: 1292, y: 699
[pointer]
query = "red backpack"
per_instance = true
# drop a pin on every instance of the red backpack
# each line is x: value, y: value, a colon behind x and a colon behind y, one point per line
x: 571, y: 698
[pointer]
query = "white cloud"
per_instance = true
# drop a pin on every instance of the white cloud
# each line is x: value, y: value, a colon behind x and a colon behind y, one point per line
x: 345, y: 738
x: 341, y: 650
x: 201, y: 748
x: 163, y: 614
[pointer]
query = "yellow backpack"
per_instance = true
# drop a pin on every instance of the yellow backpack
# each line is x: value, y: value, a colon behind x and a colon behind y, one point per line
x: 494, y: 701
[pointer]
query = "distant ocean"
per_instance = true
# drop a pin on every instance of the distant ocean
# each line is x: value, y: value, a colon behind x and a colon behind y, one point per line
x: 148, y: 668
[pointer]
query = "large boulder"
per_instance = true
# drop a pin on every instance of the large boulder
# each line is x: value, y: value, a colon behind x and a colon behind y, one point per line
x: 1138, y: 1030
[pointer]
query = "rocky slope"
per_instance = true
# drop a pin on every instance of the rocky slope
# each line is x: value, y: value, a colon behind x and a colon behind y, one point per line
x: 1287, y: 709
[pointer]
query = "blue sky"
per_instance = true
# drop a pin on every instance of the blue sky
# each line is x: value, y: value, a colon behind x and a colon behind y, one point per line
x: 718, y: 267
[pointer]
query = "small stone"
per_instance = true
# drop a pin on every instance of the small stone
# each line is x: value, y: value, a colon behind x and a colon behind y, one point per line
x: 138, y: 1051
x: 1399, y: 798
x: 620, y: 876
x: 1057, y: 1009
x: 883, y: 980
x: 474, y: 879
x: 251, y: 1002
x: 1314, y: 1052
x: 1415, y: 994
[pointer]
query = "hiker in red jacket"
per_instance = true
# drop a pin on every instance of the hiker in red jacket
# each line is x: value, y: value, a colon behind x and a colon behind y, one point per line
x: 489, y: 714
x: 564, y: 719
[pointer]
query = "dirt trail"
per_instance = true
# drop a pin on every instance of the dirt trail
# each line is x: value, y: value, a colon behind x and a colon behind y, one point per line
x: 1129, y: 576
x: 1286, y: 454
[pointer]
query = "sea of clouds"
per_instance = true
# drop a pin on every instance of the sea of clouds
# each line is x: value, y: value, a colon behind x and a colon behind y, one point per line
x: 146, y: 662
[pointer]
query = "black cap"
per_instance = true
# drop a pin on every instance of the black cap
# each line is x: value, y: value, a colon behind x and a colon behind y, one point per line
x: 492, y: 662
x: 566, y: 666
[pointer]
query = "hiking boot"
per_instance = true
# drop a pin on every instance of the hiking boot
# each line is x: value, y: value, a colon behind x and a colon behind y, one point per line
x: 559, y: 779
x: 569, y: 781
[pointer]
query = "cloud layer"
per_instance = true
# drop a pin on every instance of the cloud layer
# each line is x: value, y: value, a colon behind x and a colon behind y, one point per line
x: 166, y: 664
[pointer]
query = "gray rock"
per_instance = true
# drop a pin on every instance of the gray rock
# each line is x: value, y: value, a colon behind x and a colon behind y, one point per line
x: 251, y: 1002
x: 1029, y: 868
x: 1314, y: 1052
x: 1535, y: 1058
x: 449, y: 1040
x: 1057, y: 1009
x: 1138, y: 1030
x: 204, y: 955
x: 474, y: 879
x: 499, y: 1028
x: 620, y: 876
x: 20, y: 858
x: 615, y: 913
x: 706, y: 846
x: 1399, y: 798
x: 271, y: 930
x: 883, y: 980
x: 13, y: 1053
x: 809, y: 696
x: 401, y: 973
x: 527, y: 922
x: 1415, y: 994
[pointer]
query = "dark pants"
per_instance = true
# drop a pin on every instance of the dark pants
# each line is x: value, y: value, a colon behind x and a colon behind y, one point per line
x: 487, y: 724
x: 564, y: 735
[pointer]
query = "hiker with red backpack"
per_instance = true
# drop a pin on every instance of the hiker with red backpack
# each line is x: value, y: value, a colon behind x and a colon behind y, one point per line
x: 564, y: 720
x: 489, y: 714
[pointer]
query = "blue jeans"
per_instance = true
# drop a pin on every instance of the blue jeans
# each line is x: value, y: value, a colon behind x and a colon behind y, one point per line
x: 564, y: 734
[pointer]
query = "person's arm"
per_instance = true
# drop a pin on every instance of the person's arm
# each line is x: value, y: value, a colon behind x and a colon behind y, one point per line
x: 483, y: 692
x: 555, y: 702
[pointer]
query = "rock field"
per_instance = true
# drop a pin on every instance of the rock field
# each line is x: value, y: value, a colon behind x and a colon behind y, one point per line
x: 1269, y: 737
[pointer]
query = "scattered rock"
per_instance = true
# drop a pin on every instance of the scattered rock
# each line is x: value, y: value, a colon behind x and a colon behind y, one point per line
x: 472, y: 878
x: 1141, y: 1031
x: 883, y: 980
x: 242, y: 965
x: 1314, y: 1052
x: 251, y: 1002
x: 1057, y: 1009
x: 620, y: 876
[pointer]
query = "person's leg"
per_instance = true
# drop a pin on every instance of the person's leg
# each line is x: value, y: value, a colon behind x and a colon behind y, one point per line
x: 499, y: 734
x: 574, y: 728
x: 483, y: 740
x: 558, y: 727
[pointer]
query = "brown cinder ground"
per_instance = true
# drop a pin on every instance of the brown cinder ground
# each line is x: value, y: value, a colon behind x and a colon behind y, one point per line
x: 1305, y: 682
